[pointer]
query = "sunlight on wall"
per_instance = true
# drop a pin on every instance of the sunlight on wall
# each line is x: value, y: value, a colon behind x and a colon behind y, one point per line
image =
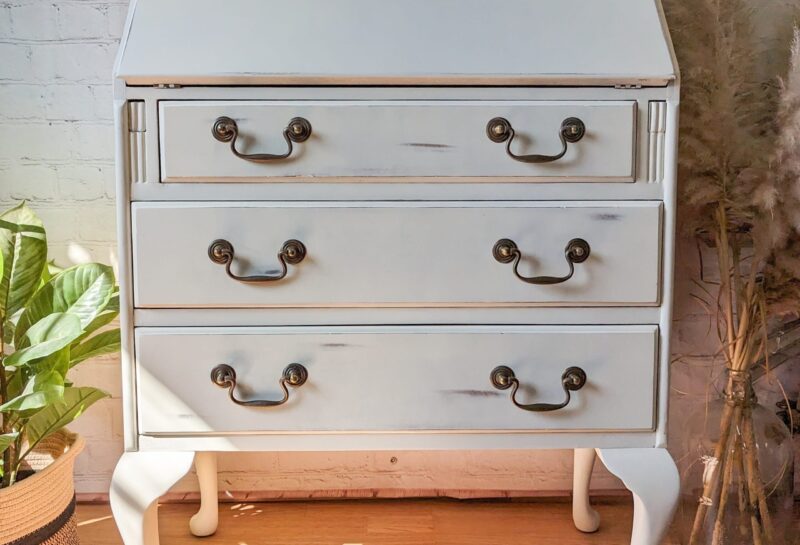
x: 77, y: 254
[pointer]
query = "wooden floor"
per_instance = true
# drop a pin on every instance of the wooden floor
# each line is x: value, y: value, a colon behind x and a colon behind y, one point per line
x: 377, y: 522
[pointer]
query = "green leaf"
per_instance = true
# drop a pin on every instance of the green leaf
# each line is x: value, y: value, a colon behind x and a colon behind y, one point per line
x: 106, y: 342
x: 23, y: 245
x: 6, y: 440
x: 104, y: 318
x: 46, y: 337
x: 49, y: 271
x: 83, y: 290
x: 57, y: 361
x: 42, y: 390
x: 54, y: 417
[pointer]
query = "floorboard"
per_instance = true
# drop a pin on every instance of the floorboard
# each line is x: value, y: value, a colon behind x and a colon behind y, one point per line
x: 377, y: 522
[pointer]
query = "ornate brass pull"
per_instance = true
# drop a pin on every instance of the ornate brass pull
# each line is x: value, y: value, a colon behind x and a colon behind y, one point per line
x: 224, y: 376
x: 292, y: 252
x: 500, y: 130
x: 226, y: 130
x: 577, y: 251
x: 573, y: 379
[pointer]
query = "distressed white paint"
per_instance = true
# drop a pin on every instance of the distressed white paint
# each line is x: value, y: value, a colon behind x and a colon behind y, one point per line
x: 57, y: 129
x: 656, y: 134
x: 412, y: 445
x: 395, y: 254
x: 396, y: 139
x: 167, y: 390
x: 57, y: 133
x: 651, y: 475
x: 140, y: 478
x: 395, y: 379
x: 584, y: 517
x: 204, y: 522
x: 518, y: 315
x: 387, y: 188
x: 514, y: 42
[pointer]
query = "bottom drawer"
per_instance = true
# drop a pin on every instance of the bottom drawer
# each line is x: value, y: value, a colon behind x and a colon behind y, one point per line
x: 410, y: 378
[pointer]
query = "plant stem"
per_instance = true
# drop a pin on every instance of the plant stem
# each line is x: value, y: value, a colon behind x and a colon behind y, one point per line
x: 7, y: 455
x: 709, y: 488
x: 754, y: 477
x: 718, y: 536
x: 726, y: 290
x: 743, y: 499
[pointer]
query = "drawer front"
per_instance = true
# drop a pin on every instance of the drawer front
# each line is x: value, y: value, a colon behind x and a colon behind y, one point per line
x: 393, y: 379
x: 395, y: 254
x: 395, y: 139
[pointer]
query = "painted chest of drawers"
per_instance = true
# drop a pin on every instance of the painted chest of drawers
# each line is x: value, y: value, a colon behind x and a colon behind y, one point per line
x: 389, y: 225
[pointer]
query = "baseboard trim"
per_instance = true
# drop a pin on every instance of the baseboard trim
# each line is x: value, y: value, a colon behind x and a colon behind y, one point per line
x: 369, y: 493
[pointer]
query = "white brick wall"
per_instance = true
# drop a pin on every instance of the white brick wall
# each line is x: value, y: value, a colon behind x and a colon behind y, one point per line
x: 56, y: 150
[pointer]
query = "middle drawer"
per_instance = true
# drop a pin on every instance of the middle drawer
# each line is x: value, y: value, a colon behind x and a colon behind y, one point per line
x: 395, y: 254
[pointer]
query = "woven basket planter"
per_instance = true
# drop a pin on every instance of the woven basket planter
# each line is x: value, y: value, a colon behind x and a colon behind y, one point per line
x: 40, y: 509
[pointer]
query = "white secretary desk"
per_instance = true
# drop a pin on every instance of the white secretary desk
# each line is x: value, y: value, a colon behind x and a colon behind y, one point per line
x: 388, y: 225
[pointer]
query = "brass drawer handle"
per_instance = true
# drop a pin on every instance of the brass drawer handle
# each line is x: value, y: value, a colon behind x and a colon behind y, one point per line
x: 500, y: 130
x: 573, y: 379
x: 221, y: 252
x: 577, y: 251
x: 225, y: 129
x: 224, y: 376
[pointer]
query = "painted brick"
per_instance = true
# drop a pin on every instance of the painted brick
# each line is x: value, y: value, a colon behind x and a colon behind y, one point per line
x: 5, y: 22
x: 81, y: 21
x: 68, y: 253
x: 29, y: 181
x: 69, y: 102
x: 93, y: 141
x: 73, y: 62
x: 101, y: 373
x: 22, y: 101
x: 103, y: 456
x: 102, y: 102
x: 95, y: 423
x: 109, y: 182
x: 71, y: 253
x: 324, y: 462
x: 233, y: 463
x: 60, y: 222
x: 115, y: 16
x: 33, y: 21
x: 82, y: 182
x: 16, y: 64
x: 49, y: 142
x: 97, y: 223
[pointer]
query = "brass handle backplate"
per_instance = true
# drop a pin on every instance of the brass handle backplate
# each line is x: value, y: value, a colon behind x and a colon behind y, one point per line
x: 573, y: 379
x: 577, y: 251
x: 224, y: 376
x: 500, y: 130
x: 221, y: 252
x: 298, y: 130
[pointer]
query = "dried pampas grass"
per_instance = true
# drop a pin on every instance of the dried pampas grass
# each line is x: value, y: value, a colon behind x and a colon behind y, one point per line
x: 739, y: 175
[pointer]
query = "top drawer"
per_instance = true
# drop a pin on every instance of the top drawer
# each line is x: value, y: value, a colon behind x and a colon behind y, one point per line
x: 397, y: 139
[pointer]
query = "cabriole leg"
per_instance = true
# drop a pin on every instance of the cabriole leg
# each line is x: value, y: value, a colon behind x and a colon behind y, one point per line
x: 140, y: 478
x: 585, y: 518
x: 204, y: 522
x: 650, y: 474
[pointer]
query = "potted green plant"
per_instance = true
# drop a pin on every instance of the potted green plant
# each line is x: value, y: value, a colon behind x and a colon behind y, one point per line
x: 50, y: 321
